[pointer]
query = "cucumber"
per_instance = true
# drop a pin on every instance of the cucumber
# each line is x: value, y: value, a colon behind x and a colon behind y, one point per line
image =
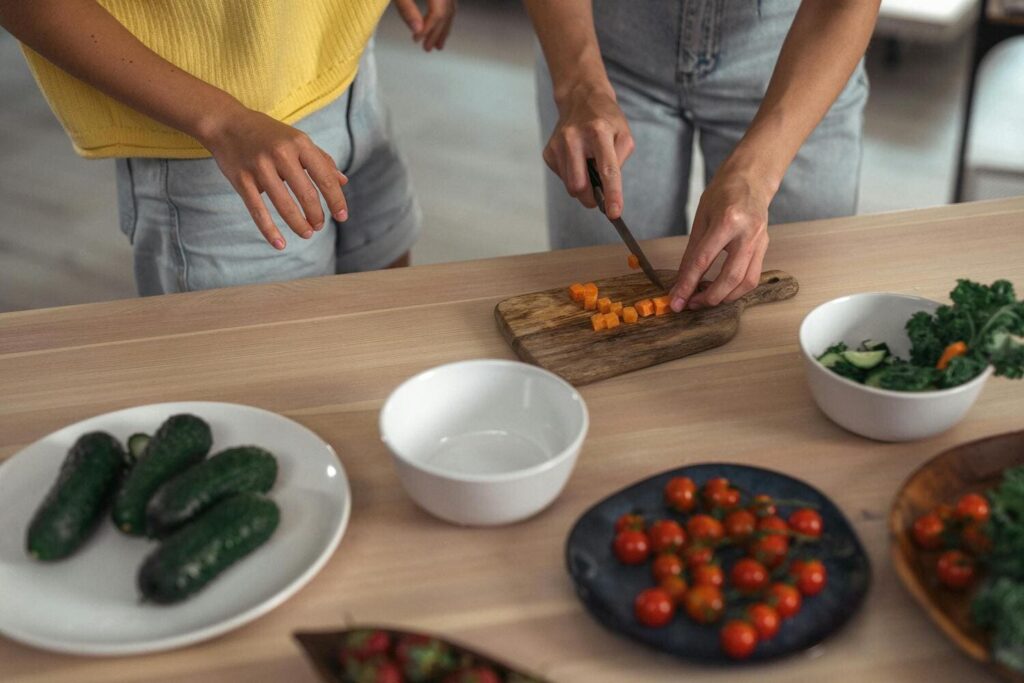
x: 865, y: 360
x: 137, y: 445
x: 830, y: 359
x: 195, y: 554
x: 68, y: 514
x: 871, y: 345
x: 235, y: 470
x: 875, y: 378
x: 181, y: 441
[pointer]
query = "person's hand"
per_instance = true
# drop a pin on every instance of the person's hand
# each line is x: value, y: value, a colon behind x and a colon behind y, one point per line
x: 591, y: 125
x: 731, y: 217
x: 259, y: 154
x: 434, y: 28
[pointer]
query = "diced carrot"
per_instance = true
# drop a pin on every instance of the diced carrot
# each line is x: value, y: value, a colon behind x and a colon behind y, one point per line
x: 661, y: 305
x: 952, y: 351
x: 604, y: 304
x: 633, y: 261
x: 598, y: 321
x: 590, y: 288
x: 611, y: 320
x: 576, y: 292
x: 629, y: 315
x: 590, y: 301
x: 616, y: 307
x: 644, y: 307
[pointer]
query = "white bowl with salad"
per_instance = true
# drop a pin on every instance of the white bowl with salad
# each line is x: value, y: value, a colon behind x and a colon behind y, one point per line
x: 895, y: 367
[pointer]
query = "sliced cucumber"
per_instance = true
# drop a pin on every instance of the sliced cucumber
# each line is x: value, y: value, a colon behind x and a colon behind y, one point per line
x: 137, y: 444
x: 865, y: 360
x: 830, y: 359
x: 871, y: 345
x: 875, y: 378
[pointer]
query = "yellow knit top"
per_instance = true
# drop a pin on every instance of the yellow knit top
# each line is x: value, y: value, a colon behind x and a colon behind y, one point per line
x: 285, y: 58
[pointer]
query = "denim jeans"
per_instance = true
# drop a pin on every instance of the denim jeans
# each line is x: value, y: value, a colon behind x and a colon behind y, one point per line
x: 681, y: 67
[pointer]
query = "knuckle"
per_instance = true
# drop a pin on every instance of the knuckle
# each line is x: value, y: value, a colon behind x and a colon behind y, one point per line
x: 733, y: 280
x: 309, y: 195
x: 733, y: 216
x: 610, y: 171
x: 751, y: 281
x: 702, y: 261
x: 596, y: 127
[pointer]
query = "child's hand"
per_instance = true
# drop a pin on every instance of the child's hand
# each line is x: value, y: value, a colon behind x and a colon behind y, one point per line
x: 432, y: 30
x: 259, y: 154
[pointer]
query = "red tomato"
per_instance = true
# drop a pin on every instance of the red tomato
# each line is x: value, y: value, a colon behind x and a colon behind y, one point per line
x: 765, y: 619
x: 716, y: 483
x: 363, y: 645
x: 810, y: 576
x: 666, y: 564
x: 762, y: 505
x: 738, y: 639
x: 806, y: 522
x: 632, y: 547
x: 473, y: 674
x: 666, y: 534
x: 975, y: 539
x: 956, y: 570
x: 785, y: 599
x: 972, y: 506
x: 719, y: 498
x: 705, y: 528
x: 629, y: 521
x: 696, y: 555
x: 740, y: 524
x: 654, y: 607
x: 928, y: 530
x: 749, y: 576
x: 704, y: 603
x: 675, y: 586
x: 773, y: 524
x: 770, y: 550
x: 707, y: 575
x: 681, y: 494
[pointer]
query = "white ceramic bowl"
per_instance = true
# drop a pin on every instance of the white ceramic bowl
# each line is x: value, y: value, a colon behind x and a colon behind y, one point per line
x: 878, y: 413
x: 484, y: 442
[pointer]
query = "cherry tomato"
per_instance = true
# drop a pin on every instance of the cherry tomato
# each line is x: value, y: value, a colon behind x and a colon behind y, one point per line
x: 705, y: 528
x: 654, y: 607
x: 738, y: 638
x: 806, y: 522
x: 681, y: 494
x: 785, y: 599
x: 721, y: 499
x: 629, y: 521
x: 810, y: 576
x: 972, y: 506
x: 632, y: 547
x: 770, y: 550
x: 364, y: 644
x: 956, y: 569
x: 707, y: 575
x: 928, y: 530
x: 765, y: 619
x: 740, y: 524
x: 749, y: 576
x: 675, y: 586
x: 704, y: 603
x: 666, y: 534
x: 716, y: 483
x: 762, y: 505
x: 666, y: 564
x: 773, y: 524
x: 975, y: 539
x: 696, y: 555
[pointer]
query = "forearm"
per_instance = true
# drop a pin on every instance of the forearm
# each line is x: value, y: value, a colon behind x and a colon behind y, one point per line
x: 89, y: 43
x: 565, y: 29
x: 824, y: 45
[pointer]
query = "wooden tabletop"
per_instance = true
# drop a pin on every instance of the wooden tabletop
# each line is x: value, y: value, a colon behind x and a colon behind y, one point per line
x: 326, y: 352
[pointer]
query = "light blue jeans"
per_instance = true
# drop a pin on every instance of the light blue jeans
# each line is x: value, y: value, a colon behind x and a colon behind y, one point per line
x: 681, y: 67
x: 190, y: 230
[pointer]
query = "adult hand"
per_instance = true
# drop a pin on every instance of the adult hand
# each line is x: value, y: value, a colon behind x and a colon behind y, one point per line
x: 731, y: 217
x: 591, y: 125
x: 434, y: 28
x: 259, y: 154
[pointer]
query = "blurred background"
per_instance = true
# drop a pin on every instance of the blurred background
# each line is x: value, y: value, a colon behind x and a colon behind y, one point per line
x: 466, y: 120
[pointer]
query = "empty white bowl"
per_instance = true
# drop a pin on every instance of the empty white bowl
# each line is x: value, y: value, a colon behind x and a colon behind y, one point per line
x: 484, y: 442
x: 878, y: 413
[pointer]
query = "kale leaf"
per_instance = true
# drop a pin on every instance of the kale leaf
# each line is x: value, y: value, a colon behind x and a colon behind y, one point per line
x: 903, y: 376
x: 999, y: 607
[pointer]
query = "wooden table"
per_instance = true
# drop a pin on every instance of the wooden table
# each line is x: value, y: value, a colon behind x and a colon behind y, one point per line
x: 326, y: 352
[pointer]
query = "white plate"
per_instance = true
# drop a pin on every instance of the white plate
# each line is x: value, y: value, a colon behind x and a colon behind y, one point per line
x: 89, y: 603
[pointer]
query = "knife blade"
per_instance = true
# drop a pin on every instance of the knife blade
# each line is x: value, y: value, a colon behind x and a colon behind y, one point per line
x: 620, y: 227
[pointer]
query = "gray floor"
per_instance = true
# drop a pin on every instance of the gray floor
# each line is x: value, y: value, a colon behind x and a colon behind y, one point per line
x: 467, y: 122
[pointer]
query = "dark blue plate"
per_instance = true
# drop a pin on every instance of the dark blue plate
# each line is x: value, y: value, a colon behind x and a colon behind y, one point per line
x: 608, y: 588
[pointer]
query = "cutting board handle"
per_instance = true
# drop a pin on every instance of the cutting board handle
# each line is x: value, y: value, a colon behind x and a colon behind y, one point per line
x: 775, y: 285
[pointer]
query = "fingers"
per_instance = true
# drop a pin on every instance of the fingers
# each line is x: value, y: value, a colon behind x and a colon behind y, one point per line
x: 731, y: 277
x: 328, y: 180
x: 270, y: 182
x: 447, y: 30
x: 753, y: 275
x: 247, y: 189
x: 437, y: 14
x: 411, y: 15
x: 439, y: 35
x: 607, y: 163
x: 302, y: 189
x: 701, y: 251
x: 574, y: 169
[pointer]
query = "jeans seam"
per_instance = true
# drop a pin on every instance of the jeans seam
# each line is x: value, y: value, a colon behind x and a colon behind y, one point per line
x: 130, y: 172
x: 175, y: 223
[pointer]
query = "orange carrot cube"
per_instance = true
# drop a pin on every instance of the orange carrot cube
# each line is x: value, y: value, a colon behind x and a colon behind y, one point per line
x: 604, y: 305
x: 598, y: 321
x: 629, y: 315
x: 616, y: 308
x: 590, y: 301
x: 590, y: 288
x: 645, y: 307
x: 611, y: 320
x: 576, y: 292
x: 661, y: 305
x: 633, y: 261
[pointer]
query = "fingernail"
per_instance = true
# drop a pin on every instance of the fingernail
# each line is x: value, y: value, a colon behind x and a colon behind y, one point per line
x: 341, y: 215
x: 306, y: 235
x: 279, y: 244
x: 678, y: 303
x: 318, y: 226
x: 613, y: 209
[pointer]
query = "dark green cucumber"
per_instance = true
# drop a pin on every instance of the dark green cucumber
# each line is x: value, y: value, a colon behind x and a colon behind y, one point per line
x: 235, y: 470
x: 181, y: 441
x: 75, y: 503
x: 195, y: 554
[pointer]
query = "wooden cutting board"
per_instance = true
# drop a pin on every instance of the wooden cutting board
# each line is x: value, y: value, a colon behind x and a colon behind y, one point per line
x: 551, y: 330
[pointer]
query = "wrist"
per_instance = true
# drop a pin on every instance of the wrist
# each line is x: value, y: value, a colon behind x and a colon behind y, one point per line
x: 585, y: 83
x: 214, y: 119
x: 757, y: 170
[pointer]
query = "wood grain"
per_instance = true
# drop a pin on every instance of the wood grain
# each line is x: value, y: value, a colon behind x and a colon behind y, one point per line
x: 327, y: 352
x: 549, y: 329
